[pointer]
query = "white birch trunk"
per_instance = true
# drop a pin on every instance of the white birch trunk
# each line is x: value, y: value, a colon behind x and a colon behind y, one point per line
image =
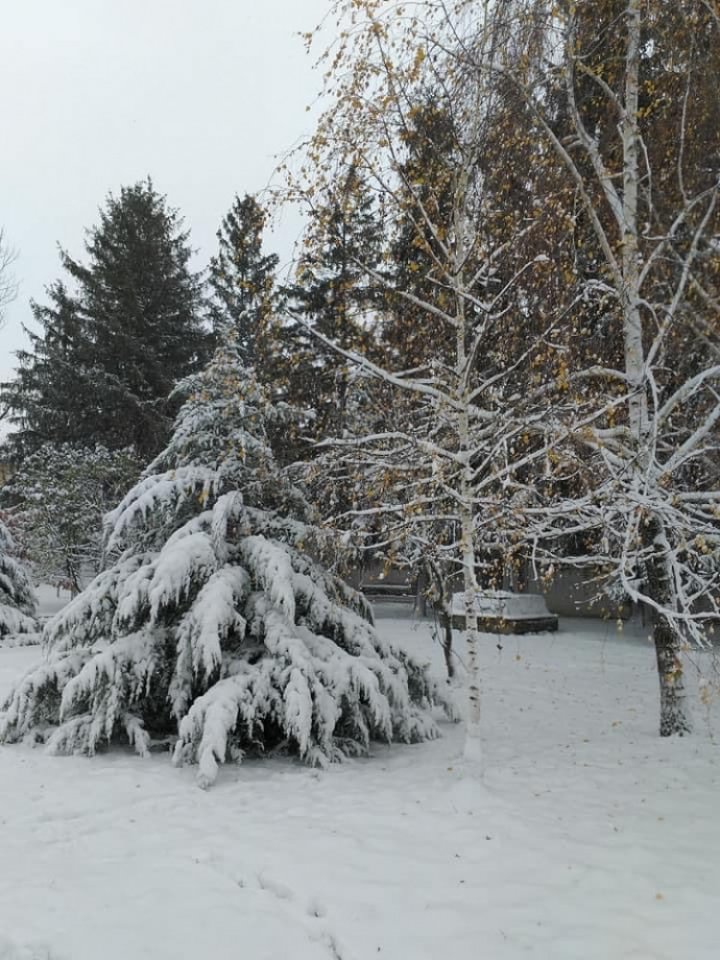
x: 674, y: 711
x: 473, y: 744
x: 630, y: 293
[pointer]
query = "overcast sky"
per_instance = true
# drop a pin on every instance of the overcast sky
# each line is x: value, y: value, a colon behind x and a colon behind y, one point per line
x: 199, y: 94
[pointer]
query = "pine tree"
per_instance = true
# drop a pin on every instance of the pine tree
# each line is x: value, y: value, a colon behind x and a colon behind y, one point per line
x: 48, y: 397
x: 113, y: 347
x: 412, y: 335
x: 17, y: 597
x: 242, y: 278
x: 212, y: 623
x: 334, y: 295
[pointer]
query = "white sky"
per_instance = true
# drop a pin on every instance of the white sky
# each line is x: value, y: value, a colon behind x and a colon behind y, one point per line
x: 200, y: 94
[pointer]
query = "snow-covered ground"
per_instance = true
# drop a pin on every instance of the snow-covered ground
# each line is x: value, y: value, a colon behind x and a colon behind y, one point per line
x: 50, y: 599
x: 587, y: 838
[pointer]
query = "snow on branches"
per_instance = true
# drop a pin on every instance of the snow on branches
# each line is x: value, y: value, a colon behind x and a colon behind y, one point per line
x: 561, y: 304
x: 212, y: 623
x: 57, y: 498
x: 17, y: 598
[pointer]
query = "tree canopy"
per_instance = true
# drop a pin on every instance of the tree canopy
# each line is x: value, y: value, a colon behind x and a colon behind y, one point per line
x: 116, y: 335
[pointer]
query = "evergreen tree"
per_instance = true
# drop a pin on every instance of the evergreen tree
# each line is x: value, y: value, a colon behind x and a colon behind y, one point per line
x: 413, y: 335
x: 212, y: 623
x: 111, y: 350
x: 58, y: 498
x: 242, y: 278
x: 336, y: 294
x: 48, y: 397
x: 17, y: 598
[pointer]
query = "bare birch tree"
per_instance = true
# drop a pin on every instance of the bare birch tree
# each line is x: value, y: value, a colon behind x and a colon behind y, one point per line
x: 623, y: 94
x: 466, y: 429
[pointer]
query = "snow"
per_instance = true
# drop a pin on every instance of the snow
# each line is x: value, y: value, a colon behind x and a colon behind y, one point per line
x: 503, y: 604
x: 50, y: 599
x: 587, y: 836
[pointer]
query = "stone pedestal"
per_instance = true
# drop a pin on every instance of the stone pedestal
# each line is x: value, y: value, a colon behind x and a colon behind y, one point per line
x: 500, y: 611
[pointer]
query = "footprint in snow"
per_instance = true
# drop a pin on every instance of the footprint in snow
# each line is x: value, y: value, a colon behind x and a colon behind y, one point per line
x: 280, y: 890
x: 315, y: 907
x: 316, y: 910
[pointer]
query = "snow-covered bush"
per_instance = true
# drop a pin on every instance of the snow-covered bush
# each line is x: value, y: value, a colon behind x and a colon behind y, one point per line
x: 17, y: 597
x: 212, y: 622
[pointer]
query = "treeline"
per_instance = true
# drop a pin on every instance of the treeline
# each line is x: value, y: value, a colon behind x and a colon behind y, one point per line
x: 501, y: 338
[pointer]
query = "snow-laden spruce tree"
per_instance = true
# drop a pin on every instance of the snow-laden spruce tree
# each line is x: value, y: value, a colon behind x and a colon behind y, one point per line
x: 210, y: 622
x: 17, y: 597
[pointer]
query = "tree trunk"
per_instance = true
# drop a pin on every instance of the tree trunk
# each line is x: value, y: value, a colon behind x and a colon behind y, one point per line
x: 420, y: 604
x: 447, y: 642
x: 443, y: 608
x: 674, y: 712
x: 674, y: 715
x: 473, y: 747
x: 630, y: 292
x: 73, y: 579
